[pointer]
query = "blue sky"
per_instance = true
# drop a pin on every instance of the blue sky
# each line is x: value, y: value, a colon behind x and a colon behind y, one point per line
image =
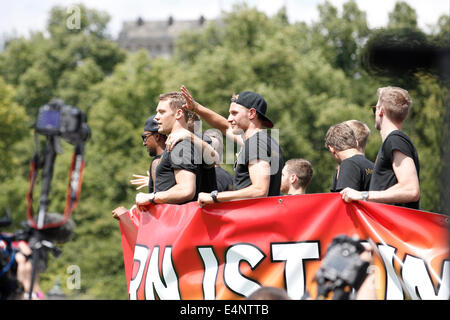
x: 19, y: 17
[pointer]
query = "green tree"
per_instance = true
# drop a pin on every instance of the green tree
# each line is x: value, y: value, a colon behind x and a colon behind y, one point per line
x: 310, y: 75
x: 38, y: 65
x: 15, y: 152
x: 403, y: 16
x: 341, y: 36
x: 114, y: 152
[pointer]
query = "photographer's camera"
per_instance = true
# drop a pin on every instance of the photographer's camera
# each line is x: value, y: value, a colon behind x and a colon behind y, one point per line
x: 58, y: 119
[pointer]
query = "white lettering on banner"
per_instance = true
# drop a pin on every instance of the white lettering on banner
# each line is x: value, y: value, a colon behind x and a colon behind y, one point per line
x: 418, y: 279
x: 233, y: 278
x: 294, y: 254
x: 211, y: 266
x: 393, y: 286
x: 164, y: 284
x: 140, y: 256
x: 167, y: 288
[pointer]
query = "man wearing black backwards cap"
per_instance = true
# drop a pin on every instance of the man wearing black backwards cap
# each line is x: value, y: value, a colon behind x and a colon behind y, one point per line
x: 259, y: 162
x: 155, y: 143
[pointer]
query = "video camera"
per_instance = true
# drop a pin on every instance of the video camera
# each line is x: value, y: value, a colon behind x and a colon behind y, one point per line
x: 58, y: 119
x: 342, y: 268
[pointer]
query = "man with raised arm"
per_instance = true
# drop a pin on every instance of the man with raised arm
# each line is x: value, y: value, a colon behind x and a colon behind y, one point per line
x: 259, y: 162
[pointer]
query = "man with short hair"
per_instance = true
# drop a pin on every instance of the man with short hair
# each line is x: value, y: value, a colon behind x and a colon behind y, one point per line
x: 259, y: 163
x: 179, y: 173
x: 296, y: 176
x: 354, y: 169
x: 155, y: 144
x: 395, y: 179
x: 361, y: 131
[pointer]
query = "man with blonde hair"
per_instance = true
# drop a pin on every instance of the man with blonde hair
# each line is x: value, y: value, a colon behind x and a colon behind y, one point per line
x: 259, y: 162
x: 361, y: 131
x: 354, y: 169
x: 180, y: 174
x: 395, y: 179
x: 296, y: 176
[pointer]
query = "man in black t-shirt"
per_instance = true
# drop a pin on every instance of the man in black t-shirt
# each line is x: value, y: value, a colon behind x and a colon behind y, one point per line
x: 259, y: 163
x: 224, y: 179
x: 354, y: 170
x: 395, y: 179
x: 396, y: 142
x: 259, y: 147
x: 179, y: 175
x: 155, y: 144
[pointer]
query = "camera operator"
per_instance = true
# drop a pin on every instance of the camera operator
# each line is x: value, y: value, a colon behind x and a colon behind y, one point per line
x: 16, y: 270
x: 24, y: 271
x: 346, y: 271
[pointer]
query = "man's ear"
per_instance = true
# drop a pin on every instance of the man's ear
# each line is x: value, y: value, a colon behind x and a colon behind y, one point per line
x: 179, y: 114
x: 252, y: 114
x: 293, y: 178
x: 158, y: 136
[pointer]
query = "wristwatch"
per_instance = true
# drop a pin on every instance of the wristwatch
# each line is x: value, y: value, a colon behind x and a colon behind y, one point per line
x: 365, y: 195
x: 214, y: 196
x: 151, y: 197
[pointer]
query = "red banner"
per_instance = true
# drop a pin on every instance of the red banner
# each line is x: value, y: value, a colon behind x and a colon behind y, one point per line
x: 228, y: 250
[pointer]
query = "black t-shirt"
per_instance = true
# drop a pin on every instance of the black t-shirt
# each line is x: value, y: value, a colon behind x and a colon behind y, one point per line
x: 185, y: 156
x: 207, y: 178
x: 383, y: 174
x: 354, y: 172
x: 259, y: 146
x: 150, y: 180
x: 224, y: 180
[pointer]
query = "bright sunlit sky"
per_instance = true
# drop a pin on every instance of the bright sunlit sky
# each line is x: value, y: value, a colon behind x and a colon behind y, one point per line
x: 19, y: 17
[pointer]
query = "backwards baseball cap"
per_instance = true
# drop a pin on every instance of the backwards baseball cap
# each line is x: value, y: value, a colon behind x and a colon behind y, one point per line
x: 253, y: 100
x: 151, y: 125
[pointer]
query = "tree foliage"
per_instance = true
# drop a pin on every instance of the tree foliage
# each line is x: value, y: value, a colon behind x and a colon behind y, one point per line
x: 312, y: 76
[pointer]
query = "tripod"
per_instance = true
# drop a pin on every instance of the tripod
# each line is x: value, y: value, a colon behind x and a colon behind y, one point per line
x: 40, y: 243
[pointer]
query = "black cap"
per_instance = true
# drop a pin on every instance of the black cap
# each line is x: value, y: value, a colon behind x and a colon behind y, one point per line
x: 253, y: 100
x: 151, y: 125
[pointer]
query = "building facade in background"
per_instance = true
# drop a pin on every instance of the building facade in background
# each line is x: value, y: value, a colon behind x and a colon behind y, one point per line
x: 157, y: 36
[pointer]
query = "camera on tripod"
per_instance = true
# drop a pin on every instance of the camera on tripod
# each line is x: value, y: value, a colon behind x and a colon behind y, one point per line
x: 58, y: 119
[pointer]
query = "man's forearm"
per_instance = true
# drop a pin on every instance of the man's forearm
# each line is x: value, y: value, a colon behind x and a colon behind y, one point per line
x: 214, y: 119
x: 251, y: 191
x: 395, y: 194
x: 175, y: 195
